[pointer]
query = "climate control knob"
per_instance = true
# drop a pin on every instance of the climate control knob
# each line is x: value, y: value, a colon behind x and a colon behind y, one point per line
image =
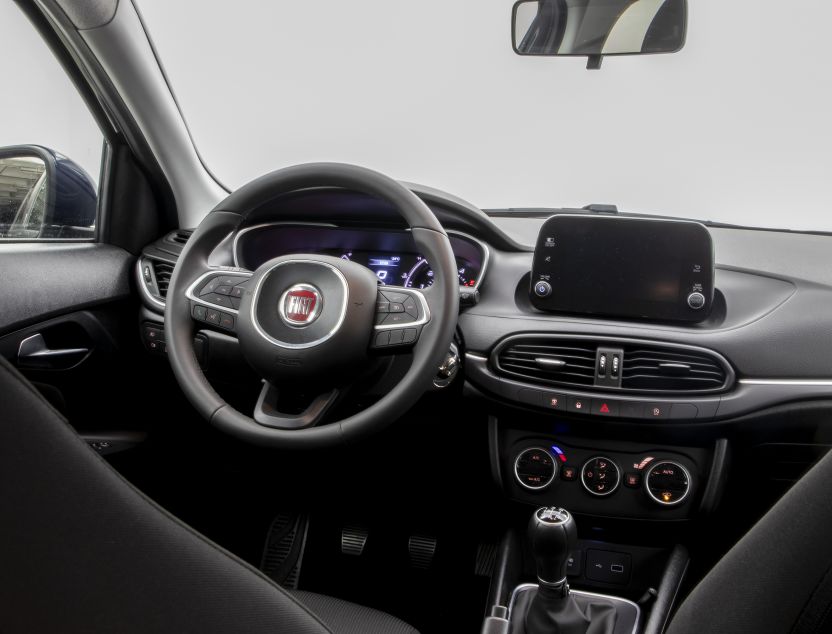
x: 535, y: 468
x: 600, y: 476
x: 667, y: 483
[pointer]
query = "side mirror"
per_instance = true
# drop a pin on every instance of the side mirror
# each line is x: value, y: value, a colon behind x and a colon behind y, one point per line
x: 45, y: 195
x: 595, y: 28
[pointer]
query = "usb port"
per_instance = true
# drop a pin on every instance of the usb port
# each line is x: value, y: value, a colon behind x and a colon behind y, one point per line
x: 616, y: 568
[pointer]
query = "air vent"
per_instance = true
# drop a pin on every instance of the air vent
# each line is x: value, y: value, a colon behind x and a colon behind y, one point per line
x: 647, y: 367
x: 669, y: 369
x: 163, y: 271
x: 181, y: 236
x: 549, y: 361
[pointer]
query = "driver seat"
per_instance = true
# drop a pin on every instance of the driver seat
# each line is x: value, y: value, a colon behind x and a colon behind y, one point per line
x: 82, y: 550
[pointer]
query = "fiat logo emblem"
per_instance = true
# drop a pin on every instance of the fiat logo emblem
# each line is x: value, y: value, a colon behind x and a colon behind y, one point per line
x: 300, y: 305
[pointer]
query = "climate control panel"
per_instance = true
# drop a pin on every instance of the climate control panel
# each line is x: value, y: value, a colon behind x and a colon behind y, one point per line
x: 622, y: 480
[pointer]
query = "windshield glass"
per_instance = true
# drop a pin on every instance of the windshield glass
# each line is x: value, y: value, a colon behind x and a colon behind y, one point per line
x: 734, y: 128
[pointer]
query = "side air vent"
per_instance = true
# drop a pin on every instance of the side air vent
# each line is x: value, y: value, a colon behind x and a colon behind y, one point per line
x: 181, y: 236
x: 549, y: 361
x: 163, y: 272
x: 667, y: 369
x: 645, y: 367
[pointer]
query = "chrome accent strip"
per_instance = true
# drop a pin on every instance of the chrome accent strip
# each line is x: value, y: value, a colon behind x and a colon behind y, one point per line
x: 140, y: 278
x: 807, y: 382
x: 486, y: 255
x: 554, y: 468
x: 528, y: 586
x: 191, y: 295
x: 653, y: 465
x: 425, y: 318
x: 310, y: 344
x: 475, y: 357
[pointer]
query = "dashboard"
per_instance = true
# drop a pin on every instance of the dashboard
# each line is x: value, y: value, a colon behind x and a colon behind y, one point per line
x: 390, y: 254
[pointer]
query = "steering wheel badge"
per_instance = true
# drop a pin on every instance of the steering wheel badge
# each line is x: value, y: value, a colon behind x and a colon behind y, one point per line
x: 300, y: 305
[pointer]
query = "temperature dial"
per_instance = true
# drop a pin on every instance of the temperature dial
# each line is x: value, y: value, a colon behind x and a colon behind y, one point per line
x: 667, y: 483
x: 535, y: 468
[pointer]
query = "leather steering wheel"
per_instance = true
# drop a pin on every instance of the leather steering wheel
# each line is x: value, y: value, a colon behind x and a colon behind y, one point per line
x: 310, y: 321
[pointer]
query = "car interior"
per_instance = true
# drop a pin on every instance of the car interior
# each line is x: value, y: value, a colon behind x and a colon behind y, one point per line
x: 332, y: 401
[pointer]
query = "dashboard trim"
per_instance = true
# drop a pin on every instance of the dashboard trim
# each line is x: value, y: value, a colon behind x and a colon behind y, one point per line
x: 485, y: 251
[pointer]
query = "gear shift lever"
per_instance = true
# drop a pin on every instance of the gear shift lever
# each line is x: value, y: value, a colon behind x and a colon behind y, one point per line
x: 552, y: 610
x: 553, y: 535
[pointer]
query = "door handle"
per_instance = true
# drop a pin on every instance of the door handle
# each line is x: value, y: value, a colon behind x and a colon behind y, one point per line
x: 33, y: 353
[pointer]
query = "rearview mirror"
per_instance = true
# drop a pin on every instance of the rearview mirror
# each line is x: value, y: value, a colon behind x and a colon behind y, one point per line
x: 595, y: 28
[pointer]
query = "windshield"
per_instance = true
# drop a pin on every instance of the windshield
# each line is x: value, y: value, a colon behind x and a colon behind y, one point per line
x: 734, y: 128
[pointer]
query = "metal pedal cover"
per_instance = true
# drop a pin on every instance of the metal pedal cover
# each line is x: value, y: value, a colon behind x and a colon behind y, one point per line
x: 353, y: 540
x: 285, y: 543
x: 486, y: 559
x: 421, y: 550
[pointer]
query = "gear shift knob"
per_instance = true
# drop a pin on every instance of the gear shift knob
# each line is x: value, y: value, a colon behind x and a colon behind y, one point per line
x: 553, y: 535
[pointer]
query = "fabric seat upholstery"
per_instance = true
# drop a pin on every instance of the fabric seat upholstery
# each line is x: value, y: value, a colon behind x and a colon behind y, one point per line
x: 82, y: 550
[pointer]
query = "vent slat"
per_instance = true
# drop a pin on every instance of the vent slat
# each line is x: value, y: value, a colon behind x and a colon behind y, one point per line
x: 644, y: 368
x: 518, y: 360
x: 163, y: 272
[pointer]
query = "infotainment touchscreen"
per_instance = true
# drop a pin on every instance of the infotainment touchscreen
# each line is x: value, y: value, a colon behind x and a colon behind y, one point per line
x: 626, y: 267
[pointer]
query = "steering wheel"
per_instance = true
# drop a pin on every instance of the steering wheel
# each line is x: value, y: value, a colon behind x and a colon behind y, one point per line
x: 310, y: 322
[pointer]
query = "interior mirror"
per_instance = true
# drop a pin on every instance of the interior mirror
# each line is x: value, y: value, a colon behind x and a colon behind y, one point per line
x: 595, y: 28
x: 44, y: 195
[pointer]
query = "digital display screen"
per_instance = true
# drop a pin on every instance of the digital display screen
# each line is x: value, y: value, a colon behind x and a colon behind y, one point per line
x: 623, y: 266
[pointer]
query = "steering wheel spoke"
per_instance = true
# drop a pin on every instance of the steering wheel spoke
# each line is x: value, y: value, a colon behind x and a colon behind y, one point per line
x: 267, y: 412
x: 400, y: 315
x: 216, y: 295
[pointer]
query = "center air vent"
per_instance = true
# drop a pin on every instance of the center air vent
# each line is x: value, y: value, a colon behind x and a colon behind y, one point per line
x: 650, y: 369
x: 163, y: 272
x: 646, y: 366
x: 549, y: 361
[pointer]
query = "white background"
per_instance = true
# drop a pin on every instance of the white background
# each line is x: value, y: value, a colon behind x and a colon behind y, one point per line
x: 734, y: 128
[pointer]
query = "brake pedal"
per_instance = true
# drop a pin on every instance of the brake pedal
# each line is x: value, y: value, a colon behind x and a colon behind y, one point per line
x: 421, y: 550
x: 353, y: 540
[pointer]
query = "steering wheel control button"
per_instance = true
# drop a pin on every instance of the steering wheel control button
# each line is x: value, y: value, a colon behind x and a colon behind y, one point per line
x: 657, y: 410
x: 667, y: 483
x: 604, y: 407
x: 382, y: 307
x: 411, y: 308
x: 542, y: 289
x: 600, y: 476
x: 223, y: 290
x: 409, y: 335
x: 579, y: 405
x: 212, y: 316
x: 395, y: 298
x: 696, y: 300
x: 226, y: 321
x: 396, y: 337
x: 209, y: 286
x: 217, y: 300
x: 199, y: 312
x: 535, y: 468
x: 396, y: 307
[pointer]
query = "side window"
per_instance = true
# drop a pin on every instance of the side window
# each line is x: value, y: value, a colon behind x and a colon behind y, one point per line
x: 50, y: 145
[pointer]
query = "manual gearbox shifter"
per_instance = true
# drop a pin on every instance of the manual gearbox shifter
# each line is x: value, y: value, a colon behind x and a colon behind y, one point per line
x: 552, y: 535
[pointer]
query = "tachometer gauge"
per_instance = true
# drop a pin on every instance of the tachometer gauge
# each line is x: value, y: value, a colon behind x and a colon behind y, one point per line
x: 420, y: 276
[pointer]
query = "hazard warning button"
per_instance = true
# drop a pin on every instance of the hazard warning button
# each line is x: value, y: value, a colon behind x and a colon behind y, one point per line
x: 604, y: 407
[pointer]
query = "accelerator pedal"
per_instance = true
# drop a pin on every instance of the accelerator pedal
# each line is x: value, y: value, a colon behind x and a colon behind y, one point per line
x: 421, y: 550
